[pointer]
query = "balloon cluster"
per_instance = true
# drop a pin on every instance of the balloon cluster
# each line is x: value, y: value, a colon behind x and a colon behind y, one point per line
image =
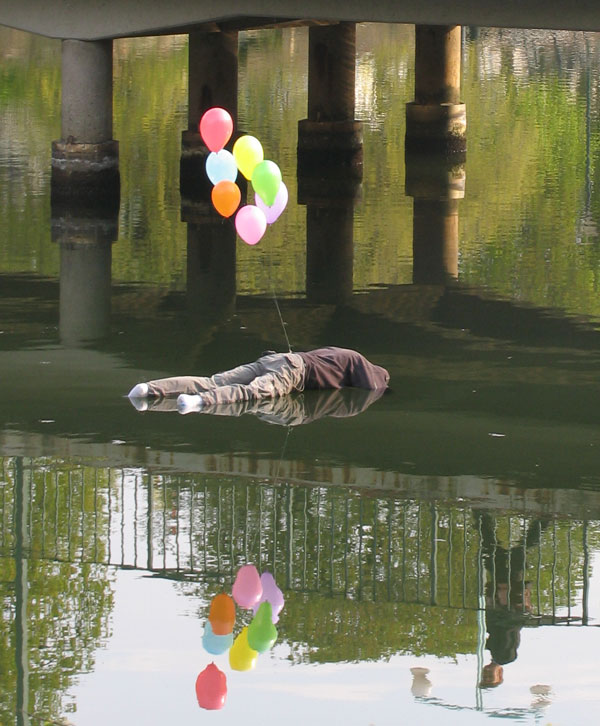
x: 222, y: 166
x: 250, y: 591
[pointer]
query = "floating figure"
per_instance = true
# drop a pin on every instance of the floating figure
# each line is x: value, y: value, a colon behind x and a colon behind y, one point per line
x: 273, y: 374
x: 211, y: 688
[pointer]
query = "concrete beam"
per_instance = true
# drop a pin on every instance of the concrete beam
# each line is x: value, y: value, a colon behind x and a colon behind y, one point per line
x: 95, y: 19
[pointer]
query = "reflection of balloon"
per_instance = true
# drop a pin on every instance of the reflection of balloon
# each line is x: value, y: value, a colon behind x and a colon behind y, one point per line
x: 247, y: 588
x: 220, y: 165
x: 250, y: 224
x: 248, y: 152
x: 241, y: 656
x: 273, y: 212
x: 262, y: 634
x: 216, y: 127
x: 211, y: 688
x: 272, y: 594
x: 226, y: 197
x: 266, y: 179
x: 215, y: 644
x: 222, y: 614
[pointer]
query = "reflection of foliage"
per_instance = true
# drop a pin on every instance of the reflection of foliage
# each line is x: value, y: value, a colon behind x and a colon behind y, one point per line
x: 69, y: 596
x: 336, y: 542
x: 325, y: 630
x: 528, y: 222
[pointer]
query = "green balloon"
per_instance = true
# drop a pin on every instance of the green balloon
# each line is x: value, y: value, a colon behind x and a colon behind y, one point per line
x: 262, y: 634
x: 266, y: 179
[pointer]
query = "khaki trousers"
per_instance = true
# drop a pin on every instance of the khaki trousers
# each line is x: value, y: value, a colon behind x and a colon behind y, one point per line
x: 272, y: 375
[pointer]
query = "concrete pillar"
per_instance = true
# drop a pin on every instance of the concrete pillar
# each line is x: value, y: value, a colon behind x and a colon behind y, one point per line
x: 85, y: 240
x: 330, y: 138
x: 212, y: 81
x: 85, y: 161
x: 437, y: 184
x: 329, y: 252
x: 436, y: 120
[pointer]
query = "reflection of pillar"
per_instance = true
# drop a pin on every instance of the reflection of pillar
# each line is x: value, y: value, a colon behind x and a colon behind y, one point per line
x: 329, y: 251
x: 22, y: 545
x: 85, y: 162
x: 85, y: 275
x: 211, y: 255
x: 212, y: 81
x: 436, y: 121
x: 330, y: 136
x: 436, y: 185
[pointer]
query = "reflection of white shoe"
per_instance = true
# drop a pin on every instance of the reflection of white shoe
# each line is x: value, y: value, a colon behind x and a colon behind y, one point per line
x: 141, y: 404
x: 139, y: 391
x: 189, y: 404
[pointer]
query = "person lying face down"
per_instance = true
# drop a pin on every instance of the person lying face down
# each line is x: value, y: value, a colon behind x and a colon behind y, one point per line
x: 273, y: 374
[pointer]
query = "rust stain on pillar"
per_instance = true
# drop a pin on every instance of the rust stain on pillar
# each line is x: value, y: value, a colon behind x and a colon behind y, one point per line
x: 437, y: 64
x: 331, y: 72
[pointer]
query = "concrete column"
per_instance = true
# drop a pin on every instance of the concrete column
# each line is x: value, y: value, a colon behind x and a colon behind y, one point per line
x: 86, y: 91
x: 330, y: 137
x: 85, y: 161
x: 212, y: 81
x: 437, y: 185
x: 85, y: 241
x: 436, y: 120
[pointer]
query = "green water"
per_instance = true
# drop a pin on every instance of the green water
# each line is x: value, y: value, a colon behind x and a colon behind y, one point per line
x: 118, y: 527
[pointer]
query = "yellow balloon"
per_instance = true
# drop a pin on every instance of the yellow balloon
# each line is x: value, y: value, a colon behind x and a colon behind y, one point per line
x: 241, y: 656
x: 247, y: 152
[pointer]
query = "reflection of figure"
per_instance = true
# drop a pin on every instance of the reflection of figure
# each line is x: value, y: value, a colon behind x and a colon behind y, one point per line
x: 272, y: 375
x: 507, y: 594
x: 292, y: 410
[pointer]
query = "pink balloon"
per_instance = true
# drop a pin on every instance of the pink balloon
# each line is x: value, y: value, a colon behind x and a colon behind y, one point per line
x: 211, y: 688
x: 273, y: 212
x: 247, y: 588
x: 251, y: 224
x: 271, y: 594
x: 216, y: 127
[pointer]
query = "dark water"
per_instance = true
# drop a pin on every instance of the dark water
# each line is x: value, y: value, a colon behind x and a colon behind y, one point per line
x: 450, y: 525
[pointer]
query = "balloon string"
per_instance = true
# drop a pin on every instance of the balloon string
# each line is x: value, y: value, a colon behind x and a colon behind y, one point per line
x: 287, y: 340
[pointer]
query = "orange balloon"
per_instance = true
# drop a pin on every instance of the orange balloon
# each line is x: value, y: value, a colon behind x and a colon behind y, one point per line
x: 222, y: 614
x: 226, y: 197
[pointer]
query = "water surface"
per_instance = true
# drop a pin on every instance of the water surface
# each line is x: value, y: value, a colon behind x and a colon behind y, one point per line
x: 453, y: 521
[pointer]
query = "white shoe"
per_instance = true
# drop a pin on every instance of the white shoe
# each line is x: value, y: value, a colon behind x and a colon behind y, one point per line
x: 139, y: 391
x: 189, y: 404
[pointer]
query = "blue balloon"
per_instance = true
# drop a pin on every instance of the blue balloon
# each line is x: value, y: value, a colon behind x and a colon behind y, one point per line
x: 221, y: 166
x: 215, y: 644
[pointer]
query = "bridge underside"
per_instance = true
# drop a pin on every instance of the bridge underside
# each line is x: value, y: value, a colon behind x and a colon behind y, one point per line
x: 96, y: 19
